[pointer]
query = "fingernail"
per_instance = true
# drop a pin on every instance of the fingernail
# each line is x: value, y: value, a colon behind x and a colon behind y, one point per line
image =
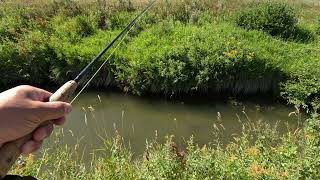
x: 67, y: 109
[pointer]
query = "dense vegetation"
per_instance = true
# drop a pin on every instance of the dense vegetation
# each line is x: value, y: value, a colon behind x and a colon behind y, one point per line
x: 273, y: 18
x: 194, y: 47
x: 260, y: 152
x: 180, y: 47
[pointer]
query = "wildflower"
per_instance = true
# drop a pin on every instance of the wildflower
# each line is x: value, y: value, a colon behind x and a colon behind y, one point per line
x: 231, y: 54
x: 257, y: 170
x: 233, y: 158
x: 309, y: 136
x: 250, y: 56
x: 204, y: 148
x: 29, y: 162
x: 232, y: 147
x: 252, y: 151
x: 284, y: 175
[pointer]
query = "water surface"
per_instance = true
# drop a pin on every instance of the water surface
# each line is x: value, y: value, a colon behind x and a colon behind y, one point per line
x: 99, y: 115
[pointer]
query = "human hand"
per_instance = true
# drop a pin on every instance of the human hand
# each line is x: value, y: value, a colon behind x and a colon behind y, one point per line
x: 23, y: 109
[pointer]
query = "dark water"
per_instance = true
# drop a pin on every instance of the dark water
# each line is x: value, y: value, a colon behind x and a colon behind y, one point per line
x: 100, y: 115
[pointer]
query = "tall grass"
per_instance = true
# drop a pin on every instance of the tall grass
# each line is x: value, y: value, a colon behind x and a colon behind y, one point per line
x: 193, y: 47
x: 189, y: 46
x: 259, y: 152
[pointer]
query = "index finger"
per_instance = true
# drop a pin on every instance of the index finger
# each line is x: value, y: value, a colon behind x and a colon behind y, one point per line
x: 52, y: 110
x: 38, y: 94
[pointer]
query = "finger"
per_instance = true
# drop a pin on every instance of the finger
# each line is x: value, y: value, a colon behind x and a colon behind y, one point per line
x: 59, y: 121
x: 30, y: 147
x: 52, y: 110
x: 37, y: 94
x: 42, y: 95
x: 43, y: 132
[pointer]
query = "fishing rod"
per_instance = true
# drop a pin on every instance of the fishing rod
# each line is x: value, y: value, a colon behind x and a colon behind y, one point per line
x: 10, y: 152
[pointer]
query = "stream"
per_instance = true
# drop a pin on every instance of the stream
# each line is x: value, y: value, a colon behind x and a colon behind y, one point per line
x: 98, y: 115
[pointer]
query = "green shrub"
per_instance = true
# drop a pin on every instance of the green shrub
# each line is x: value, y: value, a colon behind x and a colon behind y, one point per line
x: 168, y: 60
x: 27, y: 61
x: 273, y: 18
x: 199, y: 54
x: 186, y: 11
x: 301, y: 34
x: 12, y: 27
x: 120, y: 19
x: 164, y: 156
x: 67, y: 8
x: 303, y: 88
x: 75, y: 28
x: 8, y: 68
x: 302, y: 92
x: 34, y: 56
x: 71, y: 58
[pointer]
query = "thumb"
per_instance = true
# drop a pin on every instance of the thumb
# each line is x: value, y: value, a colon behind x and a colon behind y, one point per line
x: 53, y: 110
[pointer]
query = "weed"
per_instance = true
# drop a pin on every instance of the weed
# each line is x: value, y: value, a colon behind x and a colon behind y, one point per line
x: 273, y: 18
x: 178, y: 47
x: 259, y: 152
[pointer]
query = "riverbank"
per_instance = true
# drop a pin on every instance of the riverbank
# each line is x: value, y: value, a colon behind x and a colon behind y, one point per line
x: 194, y: 47
x: 189, y: 47
x: 259, y: 152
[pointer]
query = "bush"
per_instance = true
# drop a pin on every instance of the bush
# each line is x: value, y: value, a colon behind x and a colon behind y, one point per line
x: 27, y: 60
x: 75, y: 28
x: 120, y: 19
x: 300, y: 34
x: 303, y: 88
x: 8, y: 68
x: 15, y: 22
x: 67, y: 8
x: 273, y: 18
x: 204, y: 62
x: 170, y: 56
x: 186, y: 11
x: 12, y: 27
x: 34, y: 57
x: 71, y: 58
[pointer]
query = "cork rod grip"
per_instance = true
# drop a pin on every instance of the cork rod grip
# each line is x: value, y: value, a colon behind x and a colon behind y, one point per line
x: 10, y: 152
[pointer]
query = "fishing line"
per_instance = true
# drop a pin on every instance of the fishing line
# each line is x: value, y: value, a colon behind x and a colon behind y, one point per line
x: 114, y: 50
x: 10, y: 151
x: 104, y: 63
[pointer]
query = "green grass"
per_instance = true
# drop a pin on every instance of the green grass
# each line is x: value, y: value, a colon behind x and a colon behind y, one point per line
x: 206, y: 59
x: 194, y: 47
x: 259, y: 152
x: 191, y: 48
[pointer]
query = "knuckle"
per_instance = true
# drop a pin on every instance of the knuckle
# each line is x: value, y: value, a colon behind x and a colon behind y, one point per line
x: 24, y: 87
x: 58, y: 105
